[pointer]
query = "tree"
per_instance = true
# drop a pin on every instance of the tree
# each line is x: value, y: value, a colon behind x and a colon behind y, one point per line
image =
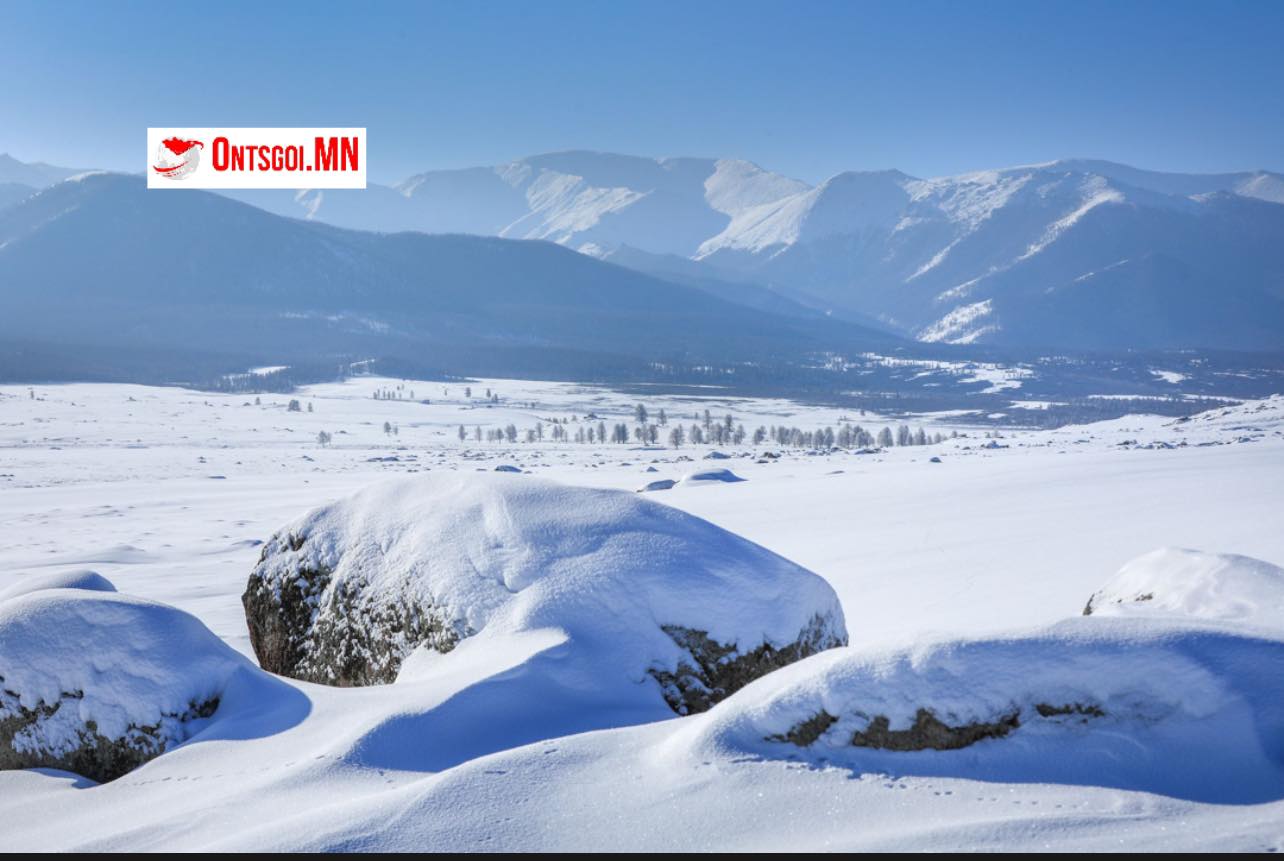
x: 885, y: 438
x: 664, y: 420
x: 463, y: 434
x: 323, y: 438
x: 468, y: 391
x: 309, y: 406
x: 676, y: 437
x: 294, y: 407
x: 760, y: 435
x: 387, y: 428
x: 639, y: 414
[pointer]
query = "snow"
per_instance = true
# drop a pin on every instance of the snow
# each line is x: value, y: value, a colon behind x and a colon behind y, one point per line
x: 1177, y: 710
x: 1168, y: 376
x: 74, y: 579
x: 1096, y: 192
x: 961, y: 586
x: 705, y: 476
x: 500, y: 555
x: 963, y: 325
x: 1191, y: 583
x: 127, y: 661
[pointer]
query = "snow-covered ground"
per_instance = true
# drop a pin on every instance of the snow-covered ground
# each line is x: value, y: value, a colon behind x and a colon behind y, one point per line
x: 959, y: 567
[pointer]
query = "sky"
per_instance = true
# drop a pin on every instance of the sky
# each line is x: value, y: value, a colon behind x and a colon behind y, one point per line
x: 806, y: 88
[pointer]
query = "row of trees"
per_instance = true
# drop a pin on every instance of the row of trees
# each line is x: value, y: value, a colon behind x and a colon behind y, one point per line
x: 721, y: 433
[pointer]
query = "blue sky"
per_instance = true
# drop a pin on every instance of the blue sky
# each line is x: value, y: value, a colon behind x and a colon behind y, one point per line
x: 805, y: 88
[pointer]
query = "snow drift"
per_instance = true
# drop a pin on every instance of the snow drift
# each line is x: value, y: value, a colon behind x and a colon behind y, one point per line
x: 98, y: 683
x: 78, y: 579
x: 1174, y: 582
x: 638, y: 592
x: 1184, y: 710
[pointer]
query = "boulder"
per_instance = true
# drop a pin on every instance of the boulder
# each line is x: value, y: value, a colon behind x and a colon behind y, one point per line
x: 1194, y: 584
x: 658, y: 484
x: 711, y: 476
x: 640, y: 590
x: 99, y: 683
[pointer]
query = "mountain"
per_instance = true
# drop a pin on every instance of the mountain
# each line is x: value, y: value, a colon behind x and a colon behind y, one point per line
x: 14, y: 192
x: 584, y: 200
x: 100, y: 260
x: 34, y: 174
x: 1074, y: 254
x: 1068, y: 254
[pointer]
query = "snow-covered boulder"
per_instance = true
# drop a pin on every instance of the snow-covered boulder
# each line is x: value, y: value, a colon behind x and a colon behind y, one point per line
x: 658, y: 484
x: 98, y: 683
x: 1153, y: 704
x: 1174, y: 582
x: 79, y: 579
x: 710, y: 476
x: 344, y: 594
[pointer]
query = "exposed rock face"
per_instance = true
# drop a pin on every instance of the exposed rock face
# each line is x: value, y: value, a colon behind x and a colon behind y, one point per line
x: 339, y: 636
x: 99, y: 683
x: 343, y: 595
x: 928, y: 731
x: 716, y: 670
x: 54, y: 736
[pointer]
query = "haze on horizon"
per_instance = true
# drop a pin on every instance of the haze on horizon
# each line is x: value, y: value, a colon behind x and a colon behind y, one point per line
x: 933, y: 89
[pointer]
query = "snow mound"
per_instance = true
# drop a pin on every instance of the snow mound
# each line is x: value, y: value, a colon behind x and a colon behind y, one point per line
x: 79, y: 579
x: 710, y: 475
x: 658, y: 484
x: 1175, y: 582
x: 1137, y: 704
x: 98, y: 683
x: 641, y: 593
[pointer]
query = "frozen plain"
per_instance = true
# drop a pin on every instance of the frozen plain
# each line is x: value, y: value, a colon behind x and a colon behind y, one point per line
x: 167, y: 493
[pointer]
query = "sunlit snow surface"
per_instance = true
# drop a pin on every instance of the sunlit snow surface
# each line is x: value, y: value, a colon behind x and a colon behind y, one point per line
x: 958, y: 580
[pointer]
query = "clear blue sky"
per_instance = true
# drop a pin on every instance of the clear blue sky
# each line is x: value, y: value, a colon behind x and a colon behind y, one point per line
x: 805, y: 88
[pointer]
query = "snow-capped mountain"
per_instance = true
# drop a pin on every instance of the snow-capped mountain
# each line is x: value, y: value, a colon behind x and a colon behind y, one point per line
x: 99, y: 259
x: 1078, y: 253
x: 1074, y: 254
x: 588, y: 201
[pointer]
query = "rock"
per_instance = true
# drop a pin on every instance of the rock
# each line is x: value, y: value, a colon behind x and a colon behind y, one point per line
x: 929, y: 732
x: 1192, y: 583
x: 99, y: 683
x: 710, y: 476
x: 505, y: 467
x: 343, y: 595
x: 658, y: 484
